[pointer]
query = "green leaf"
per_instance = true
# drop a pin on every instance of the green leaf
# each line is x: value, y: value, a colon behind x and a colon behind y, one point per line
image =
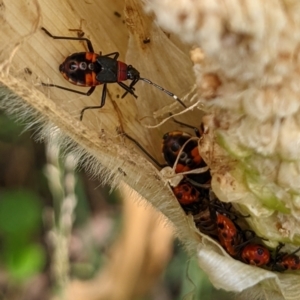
x: 20, y: 212
x: 25, y: 262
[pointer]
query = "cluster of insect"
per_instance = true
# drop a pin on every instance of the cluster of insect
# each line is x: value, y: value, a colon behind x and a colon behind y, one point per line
x: 211, y: 216
x: 215, y: 218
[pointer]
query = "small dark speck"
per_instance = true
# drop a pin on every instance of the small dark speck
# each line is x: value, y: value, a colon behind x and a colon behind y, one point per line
x: 146, y: 40
x: 167, y: 34
x: 2, y: 6
x: 157, y: 177
x: 121, y: 171
x: 80, y: 33
x: 118, y: 96
x: 27, y: 71
x: 182, y: 17
x: 117, y: 14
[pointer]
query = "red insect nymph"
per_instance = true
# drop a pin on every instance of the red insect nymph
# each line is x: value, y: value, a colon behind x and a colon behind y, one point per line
x: 89, y: 69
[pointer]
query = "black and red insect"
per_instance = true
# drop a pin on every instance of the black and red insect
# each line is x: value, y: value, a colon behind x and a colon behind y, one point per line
x: 89, y: 69
x: 196, y: 201
x: 229, y: 235
x: 178, y: 143
x: 286, y: 261
x: 236, y: 240
x: 188, y: 196
x: 255, y: 254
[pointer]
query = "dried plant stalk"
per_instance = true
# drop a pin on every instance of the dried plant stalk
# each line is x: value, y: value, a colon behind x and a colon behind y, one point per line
x: 96, y: 141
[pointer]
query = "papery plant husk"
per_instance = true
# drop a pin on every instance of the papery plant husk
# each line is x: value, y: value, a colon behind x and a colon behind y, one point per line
x: 246, y: 72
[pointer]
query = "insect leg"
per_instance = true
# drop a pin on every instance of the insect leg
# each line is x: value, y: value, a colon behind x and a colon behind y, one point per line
x: 127, y: 88
x: 89, y: 43
x: 88, y: 93
x: 97, y: 106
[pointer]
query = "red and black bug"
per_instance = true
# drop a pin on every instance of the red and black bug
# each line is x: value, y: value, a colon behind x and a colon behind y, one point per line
x: 229, y: 235
x: 285, y: 261
x: 188, y: 196
x: 196, y: 201
x: 255, y: 254
x: 178, y: 143
x: 89, y: 69
x: 236, y: 242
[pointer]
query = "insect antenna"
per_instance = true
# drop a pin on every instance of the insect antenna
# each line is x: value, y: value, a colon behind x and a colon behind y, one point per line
x: 163, y: 90
x: 196, y: 130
